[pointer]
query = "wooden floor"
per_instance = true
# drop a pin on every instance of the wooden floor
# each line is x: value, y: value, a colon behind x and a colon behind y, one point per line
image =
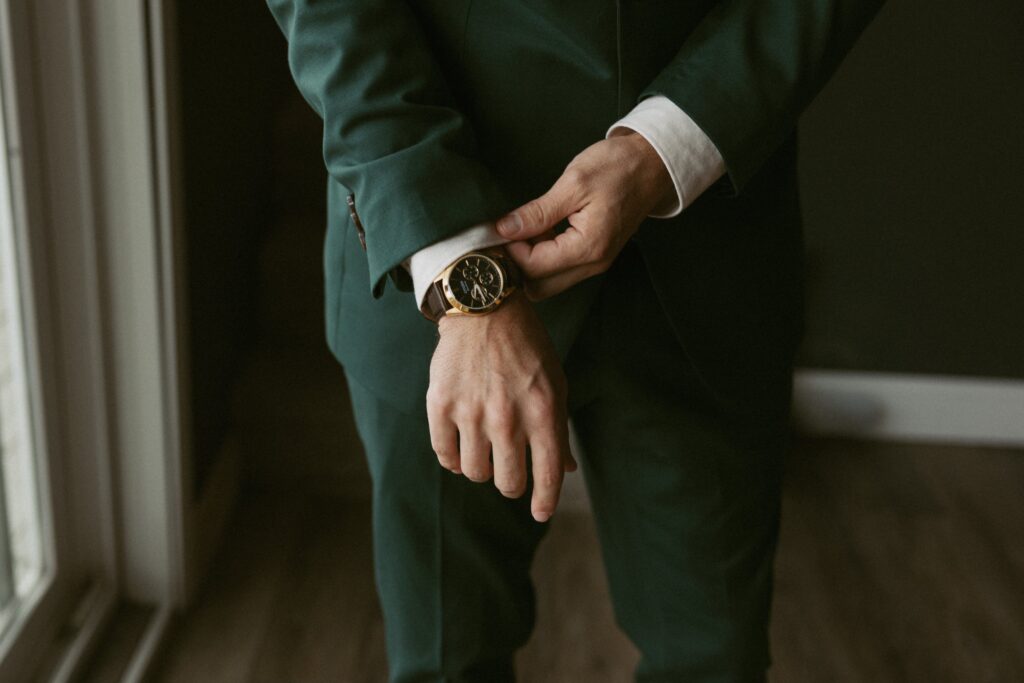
x: 897, y: 563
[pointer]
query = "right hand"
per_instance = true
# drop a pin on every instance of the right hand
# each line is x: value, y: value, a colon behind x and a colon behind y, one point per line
x: 496, y: 386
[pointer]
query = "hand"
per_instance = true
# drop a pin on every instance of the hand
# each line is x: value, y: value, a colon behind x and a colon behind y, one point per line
x: 605, y: 191
x: 496, y: 386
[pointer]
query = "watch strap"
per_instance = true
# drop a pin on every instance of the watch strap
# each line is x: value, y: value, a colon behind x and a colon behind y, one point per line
x: 435, y: 303
x: 513, y: 276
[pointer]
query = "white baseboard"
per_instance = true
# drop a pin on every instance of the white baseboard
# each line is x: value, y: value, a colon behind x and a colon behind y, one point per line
x: 889, y: 407
x: 965, y: 410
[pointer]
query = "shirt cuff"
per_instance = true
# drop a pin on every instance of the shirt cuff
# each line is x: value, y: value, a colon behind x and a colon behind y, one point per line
x: 692, y: 160
x: 426, y: 264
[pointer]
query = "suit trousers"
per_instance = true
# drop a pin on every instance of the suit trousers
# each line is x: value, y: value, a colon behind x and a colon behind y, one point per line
x: 685, y: 496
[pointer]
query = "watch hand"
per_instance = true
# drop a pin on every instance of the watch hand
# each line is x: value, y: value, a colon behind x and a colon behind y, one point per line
x: 478, y: 292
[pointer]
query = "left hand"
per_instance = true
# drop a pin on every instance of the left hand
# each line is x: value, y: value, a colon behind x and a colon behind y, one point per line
x: 496, y: 386
x: 605, y: 192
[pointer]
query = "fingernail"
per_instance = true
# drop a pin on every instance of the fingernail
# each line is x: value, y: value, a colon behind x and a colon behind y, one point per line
x: 541, y: 516
x: 510, y: 225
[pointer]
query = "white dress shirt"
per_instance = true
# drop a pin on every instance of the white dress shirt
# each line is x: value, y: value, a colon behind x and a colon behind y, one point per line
x: 692, y: 160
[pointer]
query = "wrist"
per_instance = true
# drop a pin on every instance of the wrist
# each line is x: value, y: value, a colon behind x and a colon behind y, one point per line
x: 653, y: 176
x: 511, y: 309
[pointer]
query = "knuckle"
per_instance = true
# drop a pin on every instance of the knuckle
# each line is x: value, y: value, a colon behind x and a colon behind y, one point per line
x: 438, y: 398
x: 575, y: 176
x: 466, y: 413
x: 541, y: 404
x: 501, y: 417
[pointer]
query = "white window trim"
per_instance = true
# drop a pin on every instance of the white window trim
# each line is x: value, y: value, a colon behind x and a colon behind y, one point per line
x: 62, y: 374
x: 92, y: 110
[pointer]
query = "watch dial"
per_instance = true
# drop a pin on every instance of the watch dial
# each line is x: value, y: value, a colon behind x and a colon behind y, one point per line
x: 475, y: 282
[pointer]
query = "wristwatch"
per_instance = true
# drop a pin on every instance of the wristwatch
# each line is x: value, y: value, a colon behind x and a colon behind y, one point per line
x: 474, y: 284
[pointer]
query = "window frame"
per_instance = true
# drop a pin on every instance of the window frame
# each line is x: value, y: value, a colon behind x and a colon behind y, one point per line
x: 88, y: 98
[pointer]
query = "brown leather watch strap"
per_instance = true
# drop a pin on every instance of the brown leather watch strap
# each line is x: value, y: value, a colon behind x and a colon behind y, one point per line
x: 435, y: 303
x: 513, y: 276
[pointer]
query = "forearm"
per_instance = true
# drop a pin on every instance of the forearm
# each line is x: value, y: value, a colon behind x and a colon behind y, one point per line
x: 691, y: 159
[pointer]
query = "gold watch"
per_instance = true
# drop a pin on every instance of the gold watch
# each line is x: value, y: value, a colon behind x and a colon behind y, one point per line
x: 473, y: 284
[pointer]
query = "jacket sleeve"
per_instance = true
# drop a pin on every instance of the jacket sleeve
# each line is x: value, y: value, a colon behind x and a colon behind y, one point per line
x: 751, y: 67
x: 392, y: 133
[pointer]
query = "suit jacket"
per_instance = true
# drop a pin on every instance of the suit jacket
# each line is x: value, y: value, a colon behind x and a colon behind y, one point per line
x: 441, y: 113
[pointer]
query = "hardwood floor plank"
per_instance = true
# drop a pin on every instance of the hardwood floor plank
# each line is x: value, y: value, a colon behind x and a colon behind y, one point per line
x: 219, y: 639
x: 899, y: 563
x: 326, y: 621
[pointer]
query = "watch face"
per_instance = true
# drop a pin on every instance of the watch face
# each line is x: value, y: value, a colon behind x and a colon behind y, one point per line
x: 475, y: 282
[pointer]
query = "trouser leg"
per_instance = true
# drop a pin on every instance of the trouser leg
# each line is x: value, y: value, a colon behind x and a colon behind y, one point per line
x: 686, y: 498
x: 452, y: 556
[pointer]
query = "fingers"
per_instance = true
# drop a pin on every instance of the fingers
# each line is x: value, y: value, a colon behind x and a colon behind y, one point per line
x: 547, y: 460
x: 538, y: 290
x: 444, y: 437
x: 510, y: 467
x: 509, y: 462
x: 471, y: 447
x: 511, y: 393
x: 549, y: 257
x: 545, y: 212
x: 475, y: 452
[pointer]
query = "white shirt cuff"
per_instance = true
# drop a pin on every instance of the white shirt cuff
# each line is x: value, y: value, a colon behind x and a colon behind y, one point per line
x: 427, y: 263
x: 692, y: 160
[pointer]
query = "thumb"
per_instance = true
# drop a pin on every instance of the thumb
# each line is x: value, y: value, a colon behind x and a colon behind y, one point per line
x: 538, y: 215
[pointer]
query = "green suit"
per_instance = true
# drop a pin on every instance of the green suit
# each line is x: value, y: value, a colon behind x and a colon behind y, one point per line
x: 441, y: 113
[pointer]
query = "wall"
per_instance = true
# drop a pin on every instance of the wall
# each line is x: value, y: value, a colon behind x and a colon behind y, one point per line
x: 230, y: 87
x: 912, y: 171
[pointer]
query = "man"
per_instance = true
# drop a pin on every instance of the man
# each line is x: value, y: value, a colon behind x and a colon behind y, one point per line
x: 595, y: 204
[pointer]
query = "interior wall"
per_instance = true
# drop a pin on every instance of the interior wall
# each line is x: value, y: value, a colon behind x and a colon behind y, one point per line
x: 230, y: 87
x: 912, y: 161
x: 912, y: 166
